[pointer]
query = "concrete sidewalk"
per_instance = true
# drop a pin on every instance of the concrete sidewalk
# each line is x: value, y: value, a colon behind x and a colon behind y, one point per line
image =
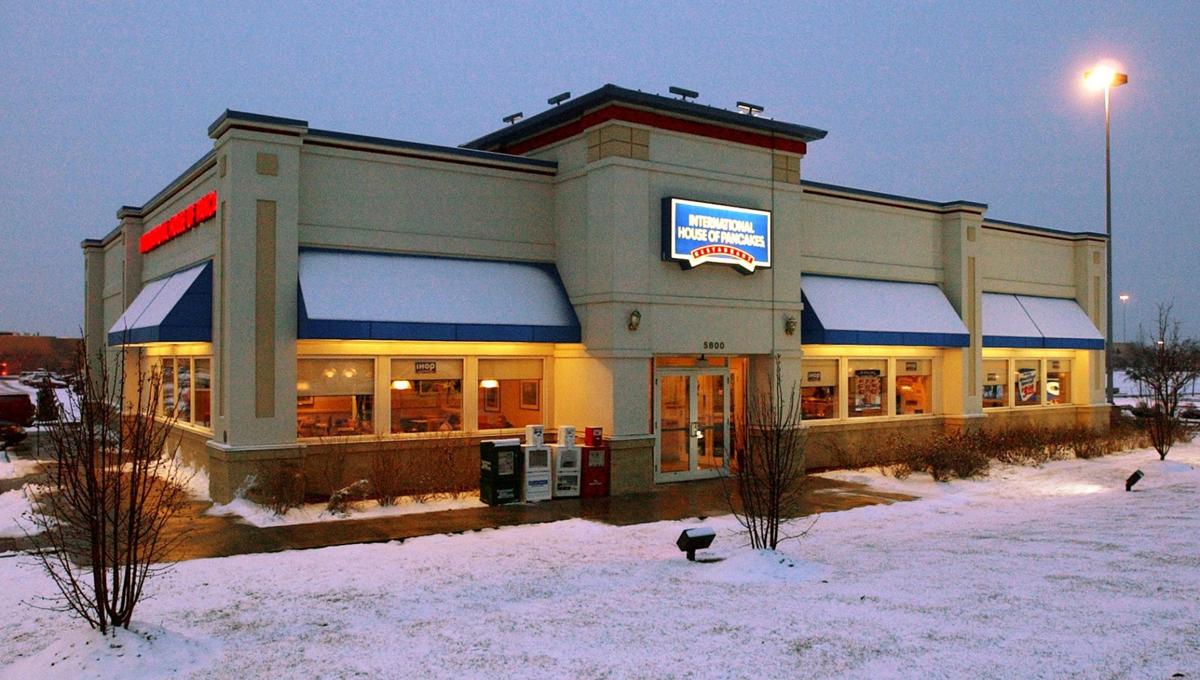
x: 207, y: 536
x: 223, y: 536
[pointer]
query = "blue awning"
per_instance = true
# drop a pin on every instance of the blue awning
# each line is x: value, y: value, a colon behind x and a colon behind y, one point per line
x: 174, y: 308
x: 841, y: 311
x: 374, y: 296
x: 1038, y: 322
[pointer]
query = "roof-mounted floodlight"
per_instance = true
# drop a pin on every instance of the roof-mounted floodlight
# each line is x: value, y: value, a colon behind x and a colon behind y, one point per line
x: 558, y: 99
x: 749, y: 109
x: 514, y: 117
x: 684, y: 93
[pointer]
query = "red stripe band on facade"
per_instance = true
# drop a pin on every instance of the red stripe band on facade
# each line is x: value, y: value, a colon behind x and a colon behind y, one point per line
x: 656, y: 120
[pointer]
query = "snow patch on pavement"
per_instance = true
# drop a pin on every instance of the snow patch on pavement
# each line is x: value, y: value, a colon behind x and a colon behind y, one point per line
x: 16, y: 469
x: 260, y: 516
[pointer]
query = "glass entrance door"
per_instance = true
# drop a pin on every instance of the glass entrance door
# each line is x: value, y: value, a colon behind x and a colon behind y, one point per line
x: 692, y: 418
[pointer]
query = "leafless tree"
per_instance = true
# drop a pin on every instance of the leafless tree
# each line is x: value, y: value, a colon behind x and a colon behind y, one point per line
x: 770, y: 473
x: 1165, y: 366
x: 98, y: 525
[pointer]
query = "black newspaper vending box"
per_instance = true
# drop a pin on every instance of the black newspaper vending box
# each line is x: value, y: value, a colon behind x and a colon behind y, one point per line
x: 500, y: 471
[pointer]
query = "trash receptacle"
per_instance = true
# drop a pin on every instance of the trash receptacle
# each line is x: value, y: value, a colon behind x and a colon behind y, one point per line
x: 500, y: 471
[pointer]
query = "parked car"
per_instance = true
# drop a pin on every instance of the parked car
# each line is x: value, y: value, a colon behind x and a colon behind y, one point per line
x: 11, y: 434
x: 17, y: 409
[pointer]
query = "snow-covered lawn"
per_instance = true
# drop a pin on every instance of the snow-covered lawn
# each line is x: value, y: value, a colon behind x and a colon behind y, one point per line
x: 1053, y: 572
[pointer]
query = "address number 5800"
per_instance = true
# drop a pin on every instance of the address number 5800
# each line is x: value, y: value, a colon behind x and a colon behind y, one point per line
x: 713, y: 344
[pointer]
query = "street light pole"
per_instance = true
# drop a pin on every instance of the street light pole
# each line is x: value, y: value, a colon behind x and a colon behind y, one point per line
x: 1124, y: 297
x: 1107, y: 78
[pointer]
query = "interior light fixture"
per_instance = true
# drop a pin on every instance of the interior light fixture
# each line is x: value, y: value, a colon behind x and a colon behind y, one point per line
x: 489, y: 384
x: 329, y: 372
x: 401, y: 385
x: 349, y: 373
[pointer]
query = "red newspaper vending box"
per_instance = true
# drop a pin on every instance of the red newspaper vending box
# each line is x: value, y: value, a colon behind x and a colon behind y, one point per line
x: 596, y: 472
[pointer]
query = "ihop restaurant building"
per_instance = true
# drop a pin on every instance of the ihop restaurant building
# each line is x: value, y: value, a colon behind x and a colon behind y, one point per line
x: 622, y: 259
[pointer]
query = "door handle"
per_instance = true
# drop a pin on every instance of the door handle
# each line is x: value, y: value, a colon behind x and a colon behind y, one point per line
x: 695, y: 431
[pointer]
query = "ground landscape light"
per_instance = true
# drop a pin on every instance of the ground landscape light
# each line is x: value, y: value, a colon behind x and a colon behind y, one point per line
x: 692, y: 540
x: 1133, y: 479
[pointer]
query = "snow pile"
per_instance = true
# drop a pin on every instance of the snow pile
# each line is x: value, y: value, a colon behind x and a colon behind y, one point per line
x: 260, y: 516
x: 757, y: 566
x: 195, y: 478
x: 14, y: 506
x: 144, y: 651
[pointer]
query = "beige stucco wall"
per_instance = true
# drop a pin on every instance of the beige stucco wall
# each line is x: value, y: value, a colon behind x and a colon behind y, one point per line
x: 359, y: 200
x: 1028, y: 264
x: 851, y: 238
x: 188, y: 248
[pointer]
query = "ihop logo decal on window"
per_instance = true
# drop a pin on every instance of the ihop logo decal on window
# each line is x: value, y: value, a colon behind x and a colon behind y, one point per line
x: 696, y: 233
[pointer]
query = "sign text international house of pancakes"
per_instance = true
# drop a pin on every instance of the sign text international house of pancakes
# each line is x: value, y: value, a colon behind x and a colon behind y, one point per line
x: 696, y: 233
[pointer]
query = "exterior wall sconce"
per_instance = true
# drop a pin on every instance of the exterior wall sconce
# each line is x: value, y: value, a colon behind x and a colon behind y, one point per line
x: 635, y: 320
x: 790, y: 324
x: 401, y: 385
x: 489, y: 383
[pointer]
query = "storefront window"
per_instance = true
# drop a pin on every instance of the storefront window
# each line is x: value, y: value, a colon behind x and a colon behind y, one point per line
x: 202, y: 390
x: 1058, y: 381
x: 914, y: 386
x: 510, y: 393
x: 1027, y: 384
x: 185, y: 390
x: 167, y: 388
x: 995, y: 381
x: 183, y: 382
x: 426, y: 395
x: 818, y: 393
x: 866, y: 387
x: 334, y: 396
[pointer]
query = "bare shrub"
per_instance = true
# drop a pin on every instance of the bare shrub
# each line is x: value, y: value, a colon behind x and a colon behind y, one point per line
x: 98, y: 529
x: 424, y: 469
x: 770, y: 474
x: 386, y: 475
x: 279, y: 486
x: 1086, y: 442
x: 342, y: 501
x: 1165, y: 367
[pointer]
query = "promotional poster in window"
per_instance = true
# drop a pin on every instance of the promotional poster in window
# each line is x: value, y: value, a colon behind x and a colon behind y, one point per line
x: 1027, y: 379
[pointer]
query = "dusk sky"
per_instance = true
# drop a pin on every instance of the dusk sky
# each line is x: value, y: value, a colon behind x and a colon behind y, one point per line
x: 104, y: 104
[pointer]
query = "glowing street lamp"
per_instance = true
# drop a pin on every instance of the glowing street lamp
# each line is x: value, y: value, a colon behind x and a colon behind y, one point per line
x: 1124, y: 298
x: 1106, y: 78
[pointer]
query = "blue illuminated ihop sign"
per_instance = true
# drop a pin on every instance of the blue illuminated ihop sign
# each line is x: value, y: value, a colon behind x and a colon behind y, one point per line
x: 695, y: 233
